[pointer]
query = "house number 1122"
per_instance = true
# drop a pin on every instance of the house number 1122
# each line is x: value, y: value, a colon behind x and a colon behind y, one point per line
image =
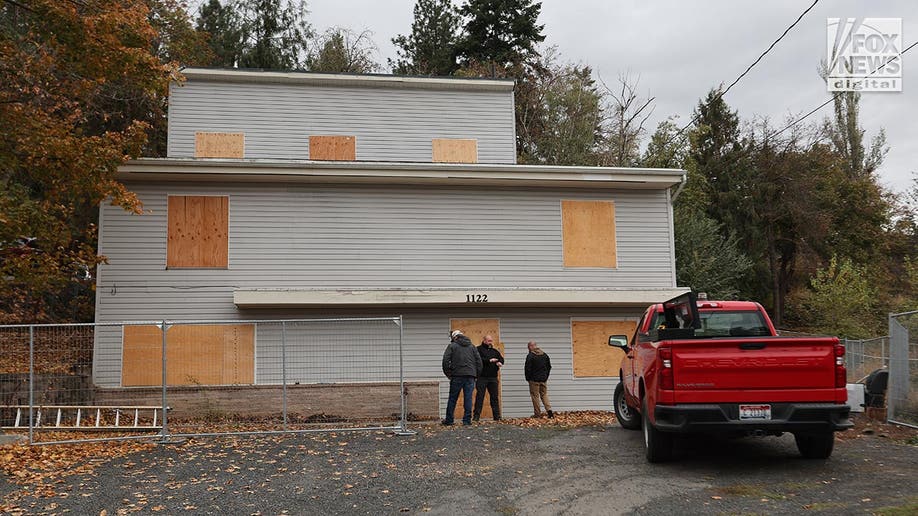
x: 476, y: 298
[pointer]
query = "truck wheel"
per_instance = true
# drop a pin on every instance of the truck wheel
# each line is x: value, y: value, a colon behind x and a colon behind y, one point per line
x: 815, y: 446
x: 626, y: 416
x: 658, y: 445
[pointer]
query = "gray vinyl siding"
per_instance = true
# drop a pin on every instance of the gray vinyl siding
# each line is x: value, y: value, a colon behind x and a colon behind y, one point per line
x: 390, y: 124
x: 329, y: 236
x: 302, y: 236
x: 317, y: 353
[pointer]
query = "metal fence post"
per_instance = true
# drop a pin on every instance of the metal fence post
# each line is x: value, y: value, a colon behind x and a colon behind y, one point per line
x: 403, y: 420
x: 883, y: 352
x: 284, y: 368
x: 31, y: 380
x: 849, y: 359
x: 164, y: 432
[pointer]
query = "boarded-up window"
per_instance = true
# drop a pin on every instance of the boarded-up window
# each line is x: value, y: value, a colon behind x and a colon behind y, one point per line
x: 196, y: 355
x: 219, y: 145
x: 333, y: 148
x: 198, y: 231
x: 455, y: 151
x: 588, y: 229
x: 475, y: 330
x: 590, y: 342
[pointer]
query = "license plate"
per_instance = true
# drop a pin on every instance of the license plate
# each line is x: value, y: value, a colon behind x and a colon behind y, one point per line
x: 762, y: 412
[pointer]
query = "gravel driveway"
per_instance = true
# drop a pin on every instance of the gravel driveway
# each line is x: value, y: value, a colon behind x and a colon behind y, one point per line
x: 490, y: 469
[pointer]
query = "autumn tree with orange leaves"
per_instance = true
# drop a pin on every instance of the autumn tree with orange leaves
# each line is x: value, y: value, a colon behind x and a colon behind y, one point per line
x: 84, y: 84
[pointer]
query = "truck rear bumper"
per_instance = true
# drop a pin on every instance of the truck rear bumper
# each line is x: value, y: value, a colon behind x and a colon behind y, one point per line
x: 724, y: 417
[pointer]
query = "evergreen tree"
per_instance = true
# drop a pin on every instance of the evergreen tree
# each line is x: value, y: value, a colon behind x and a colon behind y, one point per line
x: 224, y: 30
x: 706, y: 259
x: 500, y: 33
x: 718, y: 155
x: 275, y: 34
x: 268, y: 34
x: 430, y: 49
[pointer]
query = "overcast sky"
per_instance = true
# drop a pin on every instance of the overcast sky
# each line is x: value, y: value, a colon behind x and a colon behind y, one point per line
x: 681, y: 49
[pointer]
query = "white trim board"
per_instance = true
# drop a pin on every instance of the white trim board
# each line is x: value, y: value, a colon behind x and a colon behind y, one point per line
x: 482, y: 298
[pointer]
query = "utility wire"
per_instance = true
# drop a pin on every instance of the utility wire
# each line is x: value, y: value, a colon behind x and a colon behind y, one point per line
x: 839, y: 93
x: 761, y: 56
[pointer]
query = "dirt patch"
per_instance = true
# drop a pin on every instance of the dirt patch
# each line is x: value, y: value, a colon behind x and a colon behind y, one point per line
x: 864, y: 426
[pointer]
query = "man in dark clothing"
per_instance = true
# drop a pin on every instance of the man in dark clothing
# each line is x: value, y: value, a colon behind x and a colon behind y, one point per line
x: 461, y: 364
x: 492, y: 361
x: 537, y: 369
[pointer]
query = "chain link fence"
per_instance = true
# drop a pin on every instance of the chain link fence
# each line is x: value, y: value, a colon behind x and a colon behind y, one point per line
x: 133, y: 380
x: 862, y: 357
x: 902, y: 393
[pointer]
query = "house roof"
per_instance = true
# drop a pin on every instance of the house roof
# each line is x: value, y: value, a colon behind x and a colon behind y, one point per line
x: 378, y: 172
x: 347, y: 80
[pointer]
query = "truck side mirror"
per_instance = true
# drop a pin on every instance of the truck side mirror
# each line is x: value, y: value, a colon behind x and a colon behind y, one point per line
x: 619, y: 341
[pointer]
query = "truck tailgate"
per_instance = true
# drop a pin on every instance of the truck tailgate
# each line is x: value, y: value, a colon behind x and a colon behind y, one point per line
x: 761, y: 363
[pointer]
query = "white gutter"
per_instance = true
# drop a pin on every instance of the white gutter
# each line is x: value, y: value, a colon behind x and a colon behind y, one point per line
x: 348, y: 80
x: 196, y: 169
x: 679, y: 190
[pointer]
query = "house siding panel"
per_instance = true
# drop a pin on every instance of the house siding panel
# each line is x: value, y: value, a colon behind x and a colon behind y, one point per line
x: 316, y: 236
x: 390, y: 124
x: 425, y: 338
x: 328, y: 236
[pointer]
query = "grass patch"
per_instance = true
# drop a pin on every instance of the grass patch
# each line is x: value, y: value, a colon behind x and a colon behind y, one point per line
x: 750, y: 491
x: 910, y: 508
x: 797, y: 486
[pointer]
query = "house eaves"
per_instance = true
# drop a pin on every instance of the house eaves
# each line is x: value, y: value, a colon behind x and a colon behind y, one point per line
x: 287, y: 171
x: 347, y: 80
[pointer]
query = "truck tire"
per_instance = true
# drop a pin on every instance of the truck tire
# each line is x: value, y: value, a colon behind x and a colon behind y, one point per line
x: 627, y: 417
x: 815, y: 446
x: 658, y: 445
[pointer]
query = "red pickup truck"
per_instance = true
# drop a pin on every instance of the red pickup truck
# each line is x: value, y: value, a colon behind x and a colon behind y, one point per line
x: 719, y: 367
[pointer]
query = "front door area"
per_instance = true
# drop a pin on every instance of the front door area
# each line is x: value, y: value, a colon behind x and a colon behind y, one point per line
x: 476, y: 329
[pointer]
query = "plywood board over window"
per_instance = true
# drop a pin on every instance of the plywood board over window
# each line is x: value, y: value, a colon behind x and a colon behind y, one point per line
x: 195, y: 355
x: 590, y: 343
x: 198, y: 228
x: 588, y: 229
x: 475, y: 330
x: 333, y: 148
x: 449, y: 150
x: 219, y: 145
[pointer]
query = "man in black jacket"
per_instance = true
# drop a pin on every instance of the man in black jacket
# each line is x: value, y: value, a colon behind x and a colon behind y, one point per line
x: 492, y: 361
x: 461, y: 364
x: 537, y: 369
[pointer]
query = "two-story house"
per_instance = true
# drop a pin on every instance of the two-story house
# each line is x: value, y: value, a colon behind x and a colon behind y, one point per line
x: 298, y: 195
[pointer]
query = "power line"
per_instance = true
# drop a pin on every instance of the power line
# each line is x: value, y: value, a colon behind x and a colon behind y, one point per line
x: 839, y: 93
x: 761, y: 56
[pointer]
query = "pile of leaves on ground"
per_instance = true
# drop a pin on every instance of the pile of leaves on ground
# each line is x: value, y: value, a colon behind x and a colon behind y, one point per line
x: 38, y: 469
x: 566, y: 419
x: 865, y: 426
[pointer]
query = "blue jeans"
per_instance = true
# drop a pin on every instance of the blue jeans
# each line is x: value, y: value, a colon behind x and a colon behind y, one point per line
x: 465, y: 384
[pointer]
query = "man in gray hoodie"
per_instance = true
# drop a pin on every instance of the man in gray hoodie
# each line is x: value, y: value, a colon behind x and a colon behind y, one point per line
x: 461, y: 364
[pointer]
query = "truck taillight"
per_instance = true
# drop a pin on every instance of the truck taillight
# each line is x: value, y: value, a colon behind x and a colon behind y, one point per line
x: 841, y: 374
x: 666, y: 374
